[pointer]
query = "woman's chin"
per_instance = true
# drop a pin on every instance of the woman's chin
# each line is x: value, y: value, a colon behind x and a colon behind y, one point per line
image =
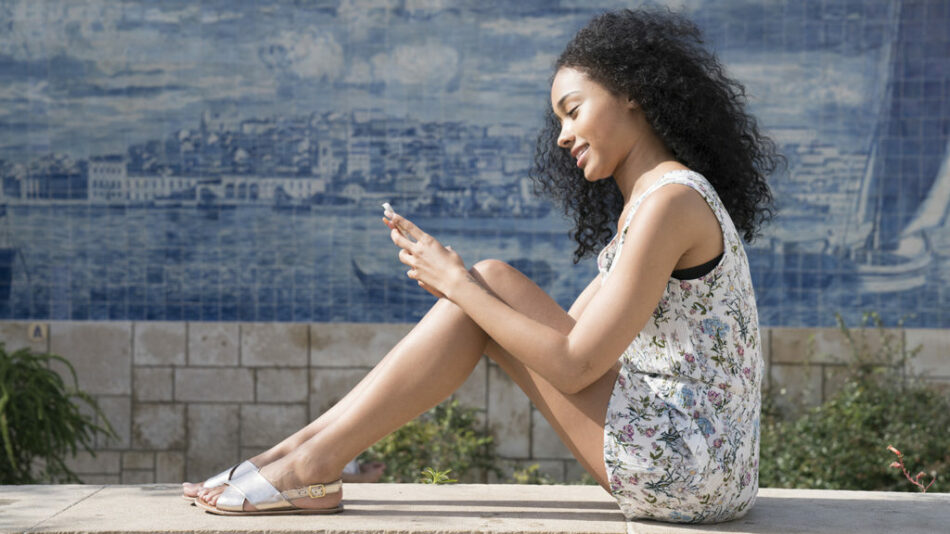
x: 594, y: 176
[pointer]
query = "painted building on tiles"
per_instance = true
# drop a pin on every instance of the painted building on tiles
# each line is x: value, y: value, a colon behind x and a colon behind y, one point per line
x: 325, y: 108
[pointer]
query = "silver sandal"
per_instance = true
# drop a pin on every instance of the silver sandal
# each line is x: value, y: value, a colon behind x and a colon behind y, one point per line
x: 223, y: 477
x: 268, y: 500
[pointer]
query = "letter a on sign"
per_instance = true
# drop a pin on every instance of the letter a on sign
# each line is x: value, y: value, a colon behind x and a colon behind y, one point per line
x: 37, y: 332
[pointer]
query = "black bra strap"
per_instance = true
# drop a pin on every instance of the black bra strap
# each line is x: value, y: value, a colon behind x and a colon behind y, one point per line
x: 690, y: 273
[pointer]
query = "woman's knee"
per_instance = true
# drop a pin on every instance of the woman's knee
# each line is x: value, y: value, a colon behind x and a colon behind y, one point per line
x: 492, y: 270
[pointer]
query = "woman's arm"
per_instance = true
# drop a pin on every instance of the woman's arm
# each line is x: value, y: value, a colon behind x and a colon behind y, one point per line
x: 582, y: 300
x: 665, y: 226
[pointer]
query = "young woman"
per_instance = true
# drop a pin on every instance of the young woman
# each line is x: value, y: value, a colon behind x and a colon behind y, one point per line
x: 652, y: 378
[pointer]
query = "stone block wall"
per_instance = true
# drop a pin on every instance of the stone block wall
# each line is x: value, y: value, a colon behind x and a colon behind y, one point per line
x: 188, y: 399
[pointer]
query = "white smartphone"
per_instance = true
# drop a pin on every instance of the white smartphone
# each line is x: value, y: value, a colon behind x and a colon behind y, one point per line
x: 388, y: 213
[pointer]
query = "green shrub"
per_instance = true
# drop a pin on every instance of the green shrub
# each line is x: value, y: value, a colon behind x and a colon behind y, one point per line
x: 447, y: 438
x: 39, y: 422
x: 842, y: 444
x: 432, y: 476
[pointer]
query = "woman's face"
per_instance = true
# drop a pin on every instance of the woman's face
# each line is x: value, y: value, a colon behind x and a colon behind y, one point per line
x: 598, y: 127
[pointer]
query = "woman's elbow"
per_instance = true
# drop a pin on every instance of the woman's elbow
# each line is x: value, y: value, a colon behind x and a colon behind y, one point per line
x: 574, y: 381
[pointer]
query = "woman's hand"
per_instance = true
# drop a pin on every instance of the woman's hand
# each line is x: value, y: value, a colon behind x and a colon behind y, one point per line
x: 432, y: 265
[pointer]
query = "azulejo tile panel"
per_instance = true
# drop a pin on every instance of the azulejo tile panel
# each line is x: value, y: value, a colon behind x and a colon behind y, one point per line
x: 238, y: 177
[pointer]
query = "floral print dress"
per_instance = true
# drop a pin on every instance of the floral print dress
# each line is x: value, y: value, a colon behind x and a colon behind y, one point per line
x: 681, y: 436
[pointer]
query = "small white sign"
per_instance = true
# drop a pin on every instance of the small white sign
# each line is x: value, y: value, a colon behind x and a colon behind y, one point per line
x: 37, y: 331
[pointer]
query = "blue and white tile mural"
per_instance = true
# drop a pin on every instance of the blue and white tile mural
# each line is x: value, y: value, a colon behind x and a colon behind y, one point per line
x: 225, y: 160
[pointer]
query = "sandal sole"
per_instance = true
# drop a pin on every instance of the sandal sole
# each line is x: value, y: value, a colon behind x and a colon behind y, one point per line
x: 290, y: 511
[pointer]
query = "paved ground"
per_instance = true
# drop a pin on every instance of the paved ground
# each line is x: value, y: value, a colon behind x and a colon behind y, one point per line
x: 411, y: 508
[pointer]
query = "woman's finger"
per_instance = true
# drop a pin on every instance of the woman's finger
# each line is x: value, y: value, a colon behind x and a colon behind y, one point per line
x: 406, y: 257
x: 408, y: 227
x: 400, y: 240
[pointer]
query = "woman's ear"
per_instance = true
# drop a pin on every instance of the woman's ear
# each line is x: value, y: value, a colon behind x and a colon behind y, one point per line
x: 631, y: 104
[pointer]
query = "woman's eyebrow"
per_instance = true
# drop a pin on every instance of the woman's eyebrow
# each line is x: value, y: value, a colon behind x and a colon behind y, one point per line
x: 560, y: 103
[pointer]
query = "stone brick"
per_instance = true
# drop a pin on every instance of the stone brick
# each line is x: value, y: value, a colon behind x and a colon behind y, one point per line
x: 274, y: 345
x: 138, y: 460
x: 100, y: 352
x: 223, y: 385
x: 472, y: 476
x: 545, y: 443
x: 353, y: 344
x: 263, y: 425
x: 87, y: 411
x: 481, y: 418
x: 169, y: 467
x: 137, y: 476
x: 328, y: 386
x: 474, y: 390
x: 552, y: 469
x: 575, y: 473
x: 796, y: 387
x: 507, y: 468
x: 16, y: 335
x: 933, y: 360
x: 212, y: 443
x: 104, y: 462
x: 940, y: 384
x: 158, y: 426
x: 509, y: 415
x: 829, y: 345
x: 213, y: 343
x: 152, y: 383
x: 766, y: 337
x: 834, y: 379
x: 159, y: 343
x: 118, y: 411
x: 100, y: 479
x: 282, y: 385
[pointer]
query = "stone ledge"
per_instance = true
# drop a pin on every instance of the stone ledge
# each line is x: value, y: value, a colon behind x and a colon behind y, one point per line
x: 417, y: 508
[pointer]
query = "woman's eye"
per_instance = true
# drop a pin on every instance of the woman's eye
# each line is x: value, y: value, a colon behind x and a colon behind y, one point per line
x: 572, y: 112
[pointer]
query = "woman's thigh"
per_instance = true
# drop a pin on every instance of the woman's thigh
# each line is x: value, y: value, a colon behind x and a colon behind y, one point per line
x: 577, y: 418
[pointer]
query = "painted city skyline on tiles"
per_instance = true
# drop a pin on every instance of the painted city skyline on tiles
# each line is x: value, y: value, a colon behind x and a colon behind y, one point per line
x: 225, y: 160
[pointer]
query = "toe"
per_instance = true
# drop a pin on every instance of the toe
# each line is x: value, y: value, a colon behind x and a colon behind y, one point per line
x: 210, y: 495
x: 190, y: 489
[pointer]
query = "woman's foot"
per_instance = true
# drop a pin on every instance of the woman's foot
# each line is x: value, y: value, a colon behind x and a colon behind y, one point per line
x: 191, y: 489
x: 285, y: 474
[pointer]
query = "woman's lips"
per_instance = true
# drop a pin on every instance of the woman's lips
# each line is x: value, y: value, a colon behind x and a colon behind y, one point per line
x: 582, y: 157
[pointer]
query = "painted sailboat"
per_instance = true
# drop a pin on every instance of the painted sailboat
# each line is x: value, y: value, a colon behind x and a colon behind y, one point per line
x: 890, y: 248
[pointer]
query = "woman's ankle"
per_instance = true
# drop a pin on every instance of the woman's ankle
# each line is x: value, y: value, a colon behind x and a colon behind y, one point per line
x: 267, y: 457
x: 311, y: 472
x: 282, y: 449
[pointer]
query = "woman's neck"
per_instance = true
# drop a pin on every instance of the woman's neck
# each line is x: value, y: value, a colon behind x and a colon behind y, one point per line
x: 634, y: 180
x: 646, y: 162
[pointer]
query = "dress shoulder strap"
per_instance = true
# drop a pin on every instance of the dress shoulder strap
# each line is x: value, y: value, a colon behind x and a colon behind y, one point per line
x: 678, y: 176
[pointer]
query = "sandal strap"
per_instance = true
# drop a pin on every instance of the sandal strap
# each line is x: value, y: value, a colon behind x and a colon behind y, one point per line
x: 258, y: 491
x: 230, y: 473
x: 252, y: 487
x: 313, y: 491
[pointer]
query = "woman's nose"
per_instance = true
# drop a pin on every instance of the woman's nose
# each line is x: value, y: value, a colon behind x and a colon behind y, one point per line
x: 564, y: 140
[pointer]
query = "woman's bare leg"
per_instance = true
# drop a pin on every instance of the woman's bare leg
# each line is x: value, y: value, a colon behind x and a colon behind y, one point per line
x: 578, y: 419
x: 296, y: 439
x: 430, y: 363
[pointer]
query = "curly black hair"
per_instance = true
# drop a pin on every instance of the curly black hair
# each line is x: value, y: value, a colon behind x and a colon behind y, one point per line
x: 656, y: 58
